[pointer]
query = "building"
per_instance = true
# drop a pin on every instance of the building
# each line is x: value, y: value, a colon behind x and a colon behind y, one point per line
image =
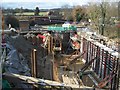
x: 24, y: 24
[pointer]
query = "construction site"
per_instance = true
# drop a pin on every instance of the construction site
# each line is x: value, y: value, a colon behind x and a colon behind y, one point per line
x: 54, y: 54
x: 58, y: 59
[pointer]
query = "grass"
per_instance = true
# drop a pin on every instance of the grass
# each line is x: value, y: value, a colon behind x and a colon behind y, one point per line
x: 32, y: 13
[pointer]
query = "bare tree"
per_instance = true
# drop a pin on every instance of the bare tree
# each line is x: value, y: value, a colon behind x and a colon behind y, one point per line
x: 37, y: 11
x: 103, y: 8
x: 21, y: 11
x: 103, y: 16
x: 67, y: 12
x: 79, y: 13
x: 93, y: 11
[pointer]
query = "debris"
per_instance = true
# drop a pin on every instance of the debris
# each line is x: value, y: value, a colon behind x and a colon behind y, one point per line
x: 15, y: 62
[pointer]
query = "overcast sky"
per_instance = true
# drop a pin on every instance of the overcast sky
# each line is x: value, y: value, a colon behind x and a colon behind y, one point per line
x: 49, y: 0
x: 72, y: 1
x: 31, y: 4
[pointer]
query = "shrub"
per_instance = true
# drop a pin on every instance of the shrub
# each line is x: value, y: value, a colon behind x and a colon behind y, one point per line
x: 13, y: 21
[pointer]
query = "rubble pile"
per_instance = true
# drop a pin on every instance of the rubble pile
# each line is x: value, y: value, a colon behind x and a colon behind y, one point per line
x: 17, y: 57
x: 19, y: 52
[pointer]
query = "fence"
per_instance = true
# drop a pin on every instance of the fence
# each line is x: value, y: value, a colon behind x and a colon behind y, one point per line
x: 105, y: 63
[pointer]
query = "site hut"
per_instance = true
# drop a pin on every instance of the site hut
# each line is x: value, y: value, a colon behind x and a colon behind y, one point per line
x: 24, y: 25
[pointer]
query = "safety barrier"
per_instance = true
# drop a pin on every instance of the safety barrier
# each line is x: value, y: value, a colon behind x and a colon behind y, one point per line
x: 105, y: 63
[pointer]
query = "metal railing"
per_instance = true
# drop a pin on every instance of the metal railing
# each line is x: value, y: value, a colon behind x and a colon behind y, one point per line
x: 105, y: 65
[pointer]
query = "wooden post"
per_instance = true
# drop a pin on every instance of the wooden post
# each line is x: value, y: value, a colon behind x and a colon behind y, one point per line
x: 51, y: 44
x: 48, y: 45
x: 34, y: 63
